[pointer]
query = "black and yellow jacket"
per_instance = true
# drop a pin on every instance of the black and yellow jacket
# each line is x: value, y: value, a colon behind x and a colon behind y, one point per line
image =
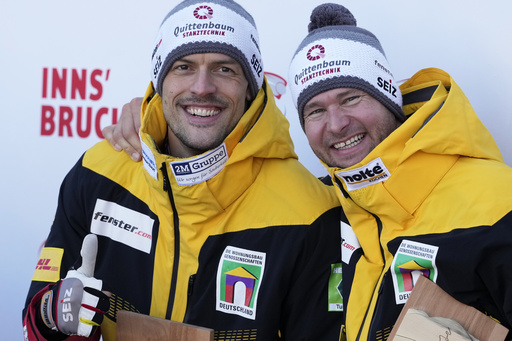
x: 435, y: 199
x: 240, y: 239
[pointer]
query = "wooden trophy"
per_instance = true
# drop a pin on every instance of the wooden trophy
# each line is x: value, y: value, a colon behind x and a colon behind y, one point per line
x: 138, y: 327
x: 427, y: 302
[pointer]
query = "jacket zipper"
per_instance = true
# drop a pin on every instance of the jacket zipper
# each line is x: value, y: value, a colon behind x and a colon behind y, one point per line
x: 174, y: 278
x: 383, y: 275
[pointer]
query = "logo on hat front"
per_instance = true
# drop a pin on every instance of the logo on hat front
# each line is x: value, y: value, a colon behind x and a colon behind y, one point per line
x: 203, y: 12
x: 316, y: 52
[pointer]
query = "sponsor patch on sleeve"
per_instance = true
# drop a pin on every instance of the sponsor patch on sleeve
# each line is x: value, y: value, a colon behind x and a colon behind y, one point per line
x: 48, y: 266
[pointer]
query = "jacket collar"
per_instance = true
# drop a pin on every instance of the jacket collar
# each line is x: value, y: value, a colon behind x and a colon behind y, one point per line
x: 409, y: 161
x: 262, y: 133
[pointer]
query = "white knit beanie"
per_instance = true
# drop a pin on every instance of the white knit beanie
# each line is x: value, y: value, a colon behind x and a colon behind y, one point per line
x: 337, y: 54
x: 212, y: 26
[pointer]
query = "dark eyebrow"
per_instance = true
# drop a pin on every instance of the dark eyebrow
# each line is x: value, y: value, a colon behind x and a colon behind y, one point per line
x: 309, y: 105
x: 225, y: 60
x: 344, y: 93
x: 230, y: 62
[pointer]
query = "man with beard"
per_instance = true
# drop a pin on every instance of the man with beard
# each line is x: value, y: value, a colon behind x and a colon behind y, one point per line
x: 220, y: 226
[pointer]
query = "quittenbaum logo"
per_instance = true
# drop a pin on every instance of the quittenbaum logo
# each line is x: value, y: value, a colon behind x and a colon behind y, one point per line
x: 316, y: 52
x: 203, y: 12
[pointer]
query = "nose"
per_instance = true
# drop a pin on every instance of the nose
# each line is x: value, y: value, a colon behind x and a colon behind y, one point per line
x: 203, y: 83
x: 336, y: 120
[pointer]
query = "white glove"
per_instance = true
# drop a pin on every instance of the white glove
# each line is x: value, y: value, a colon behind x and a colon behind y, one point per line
x: 75, y: 305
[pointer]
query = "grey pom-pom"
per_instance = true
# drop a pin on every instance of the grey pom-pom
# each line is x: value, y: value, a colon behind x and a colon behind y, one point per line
x: 330, y: 15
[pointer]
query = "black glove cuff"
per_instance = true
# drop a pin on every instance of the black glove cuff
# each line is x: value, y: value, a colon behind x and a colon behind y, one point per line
x: 48, y: 334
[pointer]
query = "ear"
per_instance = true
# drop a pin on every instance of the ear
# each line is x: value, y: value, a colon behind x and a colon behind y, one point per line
x: 248, y: 94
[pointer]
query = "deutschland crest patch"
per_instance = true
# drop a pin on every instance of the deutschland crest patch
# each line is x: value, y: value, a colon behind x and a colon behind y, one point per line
x: 239, y: 277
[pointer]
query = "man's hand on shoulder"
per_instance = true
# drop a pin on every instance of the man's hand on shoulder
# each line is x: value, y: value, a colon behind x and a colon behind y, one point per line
x: 124, y: 136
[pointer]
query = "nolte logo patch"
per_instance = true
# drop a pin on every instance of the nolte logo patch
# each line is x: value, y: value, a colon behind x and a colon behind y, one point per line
x: 411, y: 261
x: 370, y: 174
x: 200, y: 169
x: 123, y: 225
x: 239, y: 278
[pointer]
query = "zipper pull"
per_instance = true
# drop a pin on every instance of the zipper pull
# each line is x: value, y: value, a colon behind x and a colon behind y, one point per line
x: 167, y: 184
x: 191, y: 281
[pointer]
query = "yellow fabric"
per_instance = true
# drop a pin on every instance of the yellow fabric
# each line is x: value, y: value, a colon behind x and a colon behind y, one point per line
x: 244, y: 195
x: 429, y: 166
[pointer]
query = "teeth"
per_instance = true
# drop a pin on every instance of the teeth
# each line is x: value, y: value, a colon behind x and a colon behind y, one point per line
x: 202, y: 112
x: 350, y: 143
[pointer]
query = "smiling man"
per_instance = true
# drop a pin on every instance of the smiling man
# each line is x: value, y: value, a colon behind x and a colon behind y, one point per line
x: 220, y: 226
x: 426, y: 196
x: 204, y: 97
x: 344, y: 125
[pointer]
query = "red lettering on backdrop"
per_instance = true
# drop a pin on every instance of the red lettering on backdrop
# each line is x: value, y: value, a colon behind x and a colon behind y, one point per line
x: 101, y: 112
x: 65, y: 117
x: 47, y: 120
x: 78, y: 84
x: 84, y: 132
x: 59, y: 83
x: 80, y: 88
x: 97, y: 85
x: 45, y: 81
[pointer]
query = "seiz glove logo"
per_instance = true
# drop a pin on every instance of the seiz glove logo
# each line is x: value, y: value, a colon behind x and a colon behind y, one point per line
x: 65, y: 305
x: 80, y: 305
